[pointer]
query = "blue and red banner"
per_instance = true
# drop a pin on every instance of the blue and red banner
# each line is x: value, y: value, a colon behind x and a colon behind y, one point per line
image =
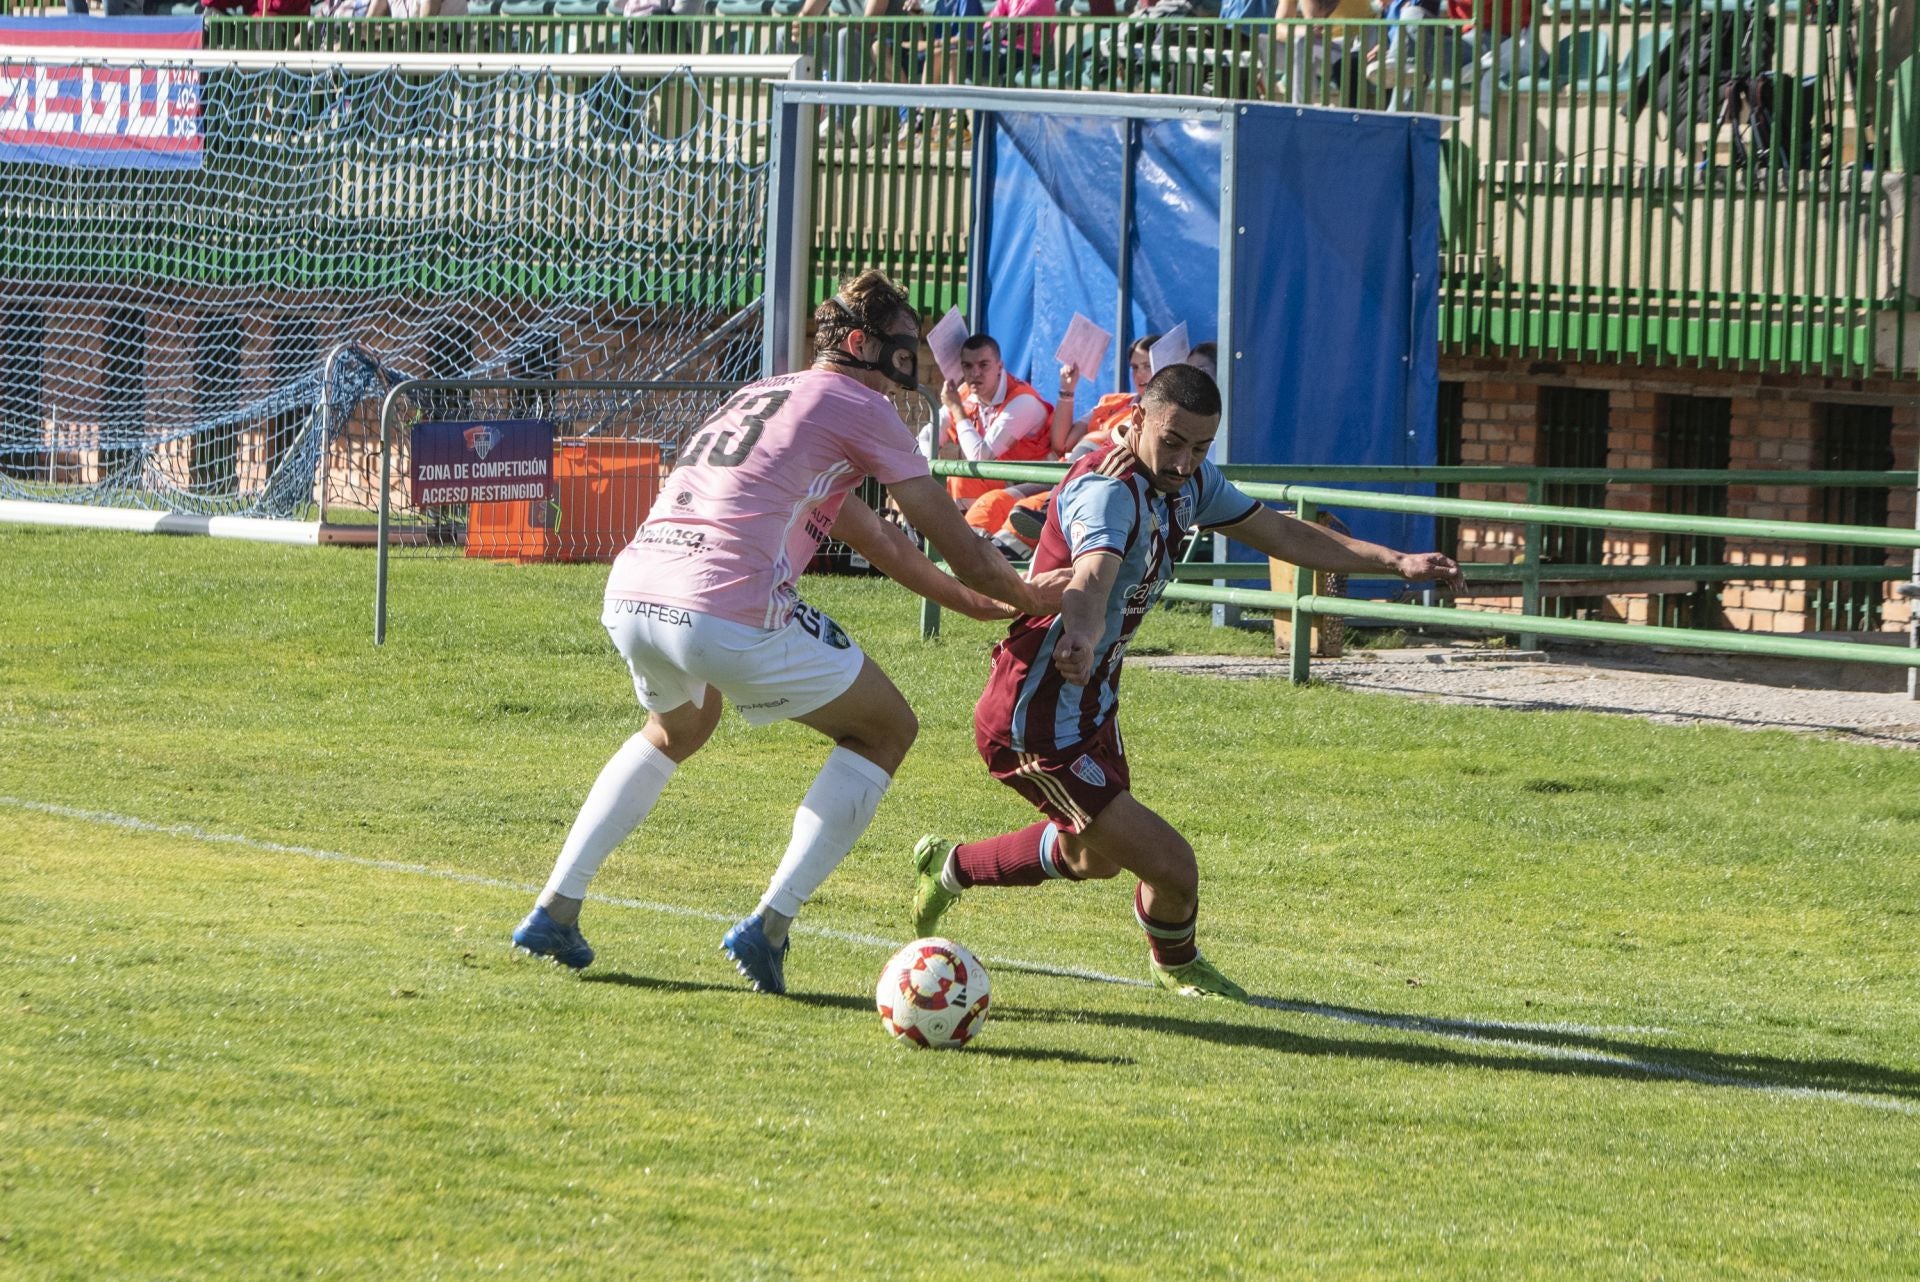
x: 111, y: 114
x: 493, y: 462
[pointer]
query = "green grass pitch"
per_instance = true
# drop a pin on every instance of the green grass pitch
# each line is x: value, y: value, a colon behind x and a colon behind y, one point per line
x: 1549, y: 995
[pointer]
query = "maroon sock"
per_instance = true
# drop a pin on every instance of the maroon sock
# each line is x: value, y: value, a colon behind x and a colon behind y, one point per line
x: 1171, y: 941
x: 1023, y: 858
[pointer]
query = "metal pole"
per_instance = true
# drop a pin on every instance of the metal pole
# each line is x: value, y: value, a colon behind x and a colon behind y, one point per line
x: 1300, y: 651
x: 1913, y: 604
x: 381, y: 527
x: 1230, y: 231
x: 1530, y: 545
x: 1123, y: 261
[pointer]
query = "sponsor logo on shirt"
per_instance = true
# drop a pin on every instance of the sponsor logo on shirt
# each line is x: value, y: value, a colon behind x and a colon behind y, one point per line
x: 668, y: 536
x: 1089, y: 770
x: 770, y: 703
x: 671, y: 615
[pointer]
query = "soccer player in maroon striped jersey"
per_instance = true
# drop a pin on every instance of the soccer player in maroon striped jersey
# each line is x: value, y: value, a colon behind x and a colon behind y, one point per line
x: 1048, y: 723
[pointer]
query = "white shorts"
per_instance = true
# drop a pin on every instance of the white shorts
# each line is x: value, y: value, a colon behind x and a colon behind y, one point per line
x: 675, y: 654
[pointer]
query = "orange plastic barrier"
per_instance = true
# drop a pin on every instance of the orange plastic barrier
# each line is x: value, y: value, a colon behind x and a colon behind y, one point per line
x: 604, y: 488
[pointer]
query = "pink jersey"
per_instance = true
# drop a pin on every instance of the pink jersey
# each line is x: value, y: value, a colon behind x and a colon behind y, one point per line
x: 756, y: 491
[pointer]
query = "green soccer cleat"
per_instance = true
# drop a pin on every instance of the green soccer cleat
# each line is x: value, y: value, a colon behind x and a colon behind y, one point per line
x: 930, y: 899
x: 1198, y: 978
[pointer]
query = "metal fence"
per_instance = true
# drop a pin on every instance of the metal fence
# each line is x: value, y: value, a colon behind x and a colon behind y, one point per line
x: 1524, y: 578
x: 615, y: 442
x: 1718, y: 184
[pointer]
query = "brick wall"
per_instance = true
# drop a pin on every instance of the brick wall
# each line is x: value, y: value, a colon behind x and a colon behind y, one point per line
x: 1772, y: 429
x: 1633, y: 422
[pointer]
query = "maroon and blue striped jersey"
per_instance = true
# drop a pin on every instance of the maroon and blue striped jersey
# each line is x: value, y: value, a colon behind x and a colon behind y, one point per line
x: 1027, y: 704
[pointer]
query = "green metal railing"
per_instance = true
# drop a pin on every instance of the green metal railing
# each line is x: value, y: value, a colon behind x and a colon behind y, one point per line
x: 1528, y: 573
x: 1595, y: 204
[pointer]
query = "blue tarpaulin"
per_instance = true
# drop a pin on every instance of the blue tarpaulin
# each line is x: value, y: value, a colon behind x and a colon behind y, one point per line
x: 1331, y: 277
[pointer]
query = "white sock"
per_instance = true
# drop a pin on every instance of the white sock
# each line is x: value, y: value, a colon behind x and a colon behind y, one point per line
x: 628, y: 786
x: 950, y: 876
x: 836, y: 811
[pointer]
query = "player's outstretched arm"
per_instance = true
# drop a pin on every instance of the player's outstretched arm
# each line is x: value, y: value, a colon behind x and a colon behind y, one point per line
x: 977, y: 563
x: 1319, y: 548
x: 894, y: 555
x: 1083, y: 615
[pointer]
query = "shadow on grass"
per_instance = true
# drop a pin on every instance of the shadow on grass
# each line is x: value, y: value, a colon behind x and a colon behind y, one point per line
x: 840, y: 1001
x: 1528, y: 1049
x: 1051, y: 1056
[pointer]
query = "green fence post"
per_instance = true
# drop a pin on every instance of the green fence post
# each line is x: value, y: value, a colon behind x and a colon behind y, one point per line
x: 1300, y: 648
x: 929, y: 612
x: 1531, y: 542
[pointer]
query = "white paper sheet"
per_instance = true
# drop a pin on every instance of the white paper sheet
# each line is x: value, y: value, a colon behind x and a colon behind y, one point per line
x: 1172, y: 348
x: 945, y: 339
x: 1084, y: 347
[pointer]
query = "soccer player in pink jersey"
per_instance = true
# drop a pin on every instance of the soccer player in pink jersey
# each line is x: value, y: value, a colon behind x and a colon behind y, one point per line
x: 1048, y: 723
x: 702, y: 606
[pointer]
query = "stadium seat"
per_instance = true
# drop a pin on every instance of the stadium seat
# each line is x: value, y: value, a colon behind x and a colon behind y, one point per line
x: 525, y: 8
x: 1642, y: 58
x: 743, y: 8
x: 1604, y: 7
x: 579, y: 8
x: 1578, y: 61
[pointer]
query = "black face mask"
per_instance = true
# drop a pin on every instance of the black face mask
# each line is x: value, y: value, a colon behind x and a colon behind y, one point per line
x: 899, y: 354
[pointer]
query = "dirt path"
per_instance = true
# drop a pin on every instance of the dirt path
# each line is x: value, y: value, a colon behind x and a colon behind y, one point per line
x: 1674, y: 688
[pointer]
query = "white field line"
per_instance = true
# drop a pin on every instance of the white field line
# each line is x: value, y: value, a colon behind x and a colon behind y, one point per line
x: 1505, y: 1036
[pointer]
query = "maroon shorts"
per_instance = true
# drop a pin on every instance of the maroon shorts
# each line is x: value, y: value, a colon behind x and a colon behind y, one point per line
x: 1070, y: 786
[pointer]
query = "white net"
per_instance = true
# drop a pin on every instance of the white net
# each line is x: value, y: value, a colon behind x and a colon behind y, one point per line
x: 168, y: 337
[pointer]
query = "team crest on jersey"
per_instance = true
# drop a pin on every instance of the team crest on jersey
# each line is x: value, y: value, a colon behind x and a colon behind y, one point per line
x: 1089, y: 771
x: 1183, y: 509
x: 481, y: 439
x: 1076, y: 534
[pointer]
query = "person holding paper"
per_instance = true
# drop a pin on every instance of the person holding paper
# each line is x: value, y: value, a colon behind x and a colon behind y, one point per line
x: 990, y: 415
x: 1012, y: 517
x: 1109, y: 409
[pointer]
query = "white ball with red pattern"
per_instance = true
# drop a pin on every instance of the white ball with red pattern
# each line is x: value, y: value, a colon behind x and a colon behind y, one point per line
x: 933, y: 993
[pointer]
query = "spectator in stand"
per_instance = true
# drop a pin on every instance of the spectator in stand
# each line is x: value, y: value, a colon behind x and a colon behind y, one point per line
x: 854, y: 60
x: 1017, y: 44
x: 1317, y: 57
x: 990, y: 415
x: 1497, y: 35
x: 256, y: 8
x: 416, y: 8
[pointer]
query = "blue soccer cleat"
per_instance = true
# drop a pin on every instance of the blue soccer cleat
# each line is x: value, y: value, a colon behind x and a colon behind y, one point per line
x: 764, y: 967
x: 542, y: 936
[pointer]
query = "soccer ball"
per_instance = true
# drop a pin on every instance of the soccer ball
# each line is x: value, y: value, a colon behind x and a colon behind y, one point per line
x: 933, y: 993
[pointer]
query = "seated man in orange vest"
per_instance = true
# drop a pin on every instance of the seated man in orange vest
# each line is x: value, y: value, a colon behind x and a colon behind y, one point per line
x: 989, y: 416
x: 989, y: 513
x: 1016, y: 525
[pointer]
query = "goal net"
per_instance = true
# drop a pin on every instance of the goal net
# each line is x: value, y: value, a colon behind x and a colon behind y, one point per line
x: 201, y: 322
